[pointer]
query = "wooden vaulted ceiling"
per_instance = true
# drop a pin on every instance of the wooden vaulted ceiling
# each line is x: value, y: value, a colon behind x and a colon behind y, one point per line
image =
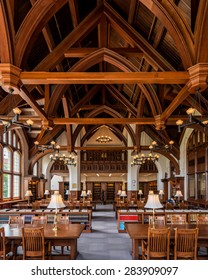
x: 99, y: 62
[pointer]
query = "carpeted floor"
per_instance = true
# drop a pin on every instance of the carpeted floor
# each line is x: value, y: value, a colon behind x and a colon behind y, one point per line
x: 104, y: 243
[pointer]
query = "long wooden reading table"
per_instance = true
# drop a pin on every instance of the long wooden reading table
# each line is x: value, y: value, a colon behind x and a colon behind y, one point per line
x: 138, y: 232
x: 66, y: 235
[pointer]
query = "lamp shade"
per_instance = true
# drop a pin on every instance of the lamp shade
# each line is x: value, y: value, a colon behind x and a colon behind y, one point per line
x: 28, y: 193
x: 119, y: 192
x: 123, y: 194
x: 153, y: 202
x: 83, y: 194
x: 56, y: 201
x: 89, y: 192
x: 46, y: 192
x: 140, y: 192
x: 161, y: 192
x: 178, y: 193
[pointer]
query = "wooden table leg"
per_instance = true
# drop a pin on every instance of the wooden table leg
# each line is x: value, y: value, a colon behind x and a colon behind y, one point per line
x: 73, y: 249
x: 135, y: 249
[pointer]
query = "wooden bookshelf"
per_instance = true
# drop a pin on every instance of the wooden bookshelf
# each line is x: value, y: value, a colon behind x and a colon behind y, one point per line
x: 97, y: 192
x: 110, y: 195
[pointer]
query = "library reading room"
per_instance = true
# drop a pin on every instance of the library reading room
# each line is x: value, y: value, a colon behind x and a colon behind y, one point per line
x: 103, y: 130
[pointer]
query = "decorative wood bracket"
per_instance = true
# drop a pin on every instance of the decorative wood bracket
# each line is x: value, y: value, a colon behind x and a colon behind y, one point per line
x: 159, y: 123
x: 47, y: 124
x: 10, y: 77
x: 198, y: 77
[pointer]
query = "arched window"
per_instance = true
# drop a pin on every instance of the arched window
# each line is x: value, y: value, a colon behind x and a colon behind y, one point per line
x: 10, y: 184
x: 7, y: 159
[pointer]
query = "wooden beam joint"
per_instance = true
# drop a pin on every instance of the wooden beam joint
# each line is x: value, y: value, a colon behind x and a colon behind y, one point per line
x: 10, y: 77
x: 159, y: 123
x: 198, y: 77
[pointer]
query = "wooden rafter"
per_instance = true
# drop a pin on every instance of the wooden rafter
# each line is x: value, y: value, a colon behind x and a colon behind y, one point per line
x: 81, y: 52
x: 104, y: 77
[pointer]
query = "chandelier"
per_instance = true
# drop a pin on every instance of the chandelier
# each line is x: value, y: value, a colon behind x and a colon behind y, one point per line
x: 142, y: 159
x: 154, y: 146
x: 68, y: 160
x: 15, y: 120
x: 102, y: 136
x: 104, y: 139
x: 192, y: 120
x: 51, y: 146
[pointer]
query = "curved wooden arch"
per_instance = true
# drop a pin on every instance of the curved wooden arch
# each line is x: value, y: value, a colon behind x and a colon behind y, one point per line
x: 36, y: 158
x: 115, y: 130
x: 35, y: 20
x: 200, y: 32
x: 172, y: 159
x: 113, y: 58
x: 168, y: 13
x: 109, y: 111
x: 6, y: 54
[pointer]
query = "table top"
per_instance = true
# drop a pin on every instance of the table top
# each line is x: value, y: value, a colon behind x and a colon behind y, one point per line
x: 140, y: 231
x: 70, y: 231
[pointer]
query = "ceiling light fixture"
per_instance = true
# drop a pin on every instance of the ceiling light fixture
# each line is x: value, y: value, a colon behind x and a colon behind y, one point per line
x: 154, y: 146
x: 66, y: 159
x: 51, y: 146
x: 141, y: 159
x: 104, y: 139
x: 192, y: 120
x: 15, y: 119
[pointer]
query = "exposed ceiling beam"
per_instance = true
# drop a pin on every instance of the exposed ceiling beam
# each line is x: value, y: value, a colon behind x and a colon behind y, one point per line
x: 63, y: 121
x: 104, y: 77
x: 81, y: 52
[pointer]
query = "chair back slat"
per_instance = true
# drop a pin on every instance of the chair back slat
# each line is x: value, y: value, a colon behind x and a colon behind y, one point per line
x: 178, y: 219
x: 39, y: 220
x: 185, y: 243
x: 158, y: 243
x: 202, y: 219
x: 62, y: 220
x: 33, y: 243
x: 16, y: 220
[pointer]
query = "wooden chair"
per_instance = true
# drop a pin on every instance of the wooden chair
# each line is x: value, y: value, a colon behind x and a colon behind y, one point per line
x: 4, y: 247
x: 178, y: 219
x: 202, y: 219
x: 185, y: 246
x: 159, y: 220
x: 183, y: 205
x: 169, y: 206
x: 157, y: 245
x: 39, y: 220
x: 35, y: 205
x: 16, y: 220
x: 33, y: 243
x: 140, y: 204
